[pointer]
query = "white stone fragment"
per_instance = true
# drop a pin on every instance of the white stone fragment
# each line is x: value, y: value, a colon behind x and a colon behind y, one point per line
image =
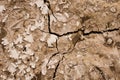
x: 52, y: 63
x: 14, y: 53
x: 21, y: 72
x: 27, y: 30
x: 32, y: 64
x: 27, y: 45
x: 16, y: 7
x: 109, y: 41
x: 60, y: 17
x: 2, y: 7
x: 51, y: 40
x: 28, y: 69
x: 51, y: 67
x: 78, y: 56
x: 22, y: 68
x: 44, y: 9
x: 20, y: 46
x: 44, y: 35
x: 12, y: 68
x: 28, y: 77
x: 66, y: 14
x: 41, y: 23
x: 70, y: 37
x: 27, y: 16
x: 5, y: 18
x: 36, y: 59
x: 25, y: 61
x: 29, y: 52
x: 33, y: 27
x: 18, y: 62
x: 10, y: 46
x: 52, y: 19
x: 39, y: 3
x: 105, y: 34
x: 29, y: 38
x: 19, y: 39
x: 23, y: 56
x: 38, y: 24
x: 77, y: 23
x: 44, y: 67
x: 4, y: 41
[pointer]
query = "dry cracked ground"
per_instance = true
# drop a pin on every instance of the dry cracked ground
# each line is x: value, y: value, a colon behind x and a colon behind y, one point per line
x: 60, y: 39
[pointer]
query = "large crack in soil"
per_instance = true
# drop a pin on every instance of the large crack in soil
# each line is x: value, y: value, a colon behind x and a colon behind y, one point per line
x: 60, y: 40
x: 81, y: 29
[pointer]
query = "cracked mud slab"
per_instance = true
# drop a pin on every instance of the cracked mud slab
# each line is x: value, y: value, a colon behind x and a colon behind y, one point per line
x: 59, y: 40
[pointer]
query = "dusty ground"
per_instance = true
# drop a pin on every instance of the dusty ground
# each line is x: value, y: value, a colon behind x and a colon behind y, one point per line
x: 59, y: 40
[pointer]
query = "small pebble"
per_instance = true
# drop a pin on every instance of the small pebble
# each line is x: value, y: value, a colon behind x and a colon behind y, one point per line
x: 113, y: 9
x: 109, y: 41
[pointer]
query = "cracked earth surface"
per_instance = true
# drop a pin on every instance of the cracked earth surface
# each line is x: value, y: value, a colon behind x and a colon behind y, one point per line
x: 59, y: 40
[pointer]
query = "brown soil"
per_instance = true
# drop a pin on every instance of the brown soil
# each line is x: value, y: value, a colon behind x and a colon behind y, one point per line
x: 59, y: 40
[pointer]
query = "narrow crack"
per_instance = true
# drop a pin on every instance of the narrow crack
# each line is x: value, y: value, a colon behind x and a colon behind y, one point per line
x: 101, y: 72
x: 73, y: 32
x: 54, y: 53
x: 57, y: 45
x: 55, y: 72
x: 83, y: 33
x: 101, y: 32
x: 54, y: 75
x: 49, y: 23
x: 52, y: 57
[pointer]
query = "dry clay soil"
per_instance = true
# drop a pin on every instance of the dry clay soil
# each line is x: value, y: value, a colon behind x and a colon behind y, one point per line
x: 60, y: 39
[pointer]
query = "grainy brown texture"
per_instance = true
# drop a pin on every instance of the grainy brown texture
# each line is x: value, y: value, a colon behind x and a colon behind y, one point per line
x: 59, y: 40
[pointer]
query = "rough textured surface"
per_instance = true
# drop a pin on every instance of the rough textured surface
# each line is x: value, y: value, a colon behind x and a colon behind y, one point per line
x: 59, y: 40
